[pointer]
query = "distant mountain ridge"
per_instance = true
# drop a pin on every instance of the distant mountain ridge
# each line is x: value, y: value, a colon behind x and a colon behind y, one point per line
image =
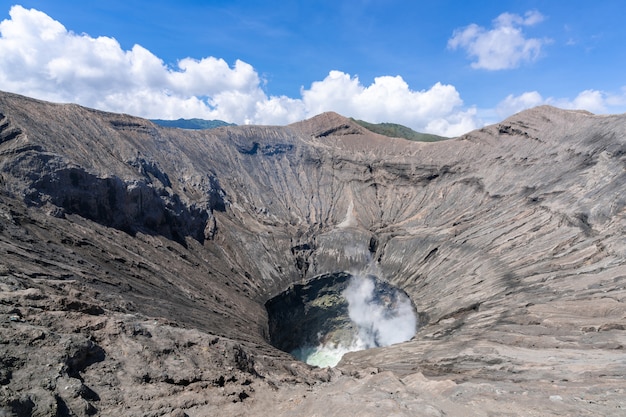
x: 195, y: 124
x: 395, y: 130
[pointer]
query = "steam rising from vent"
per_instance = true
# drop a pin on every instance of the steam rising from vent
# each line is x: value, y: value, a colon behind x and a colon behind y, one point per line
x: 379, y: 315
x: 321, y: 319
x: 382, y: 318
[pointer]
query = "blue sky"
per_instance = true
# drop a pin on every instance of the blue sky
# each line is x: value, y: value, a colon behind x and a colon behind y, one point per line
x: 444, y: 67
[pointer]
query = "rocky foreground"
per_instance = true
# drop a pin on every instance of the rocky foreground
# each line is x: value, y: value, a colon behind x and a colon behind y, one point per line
x: 136, y: 261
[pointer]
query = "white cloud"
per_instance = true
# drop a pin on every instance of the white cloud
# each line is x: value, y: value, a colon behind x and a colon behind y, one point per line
x: 531, y: 17
x: 434, y: 110
x: 595, y: 101
x: 592, y: 100
x: 504, y: 46
x: 42, y: 59
x: 514, y: 104
x: 456, y: 124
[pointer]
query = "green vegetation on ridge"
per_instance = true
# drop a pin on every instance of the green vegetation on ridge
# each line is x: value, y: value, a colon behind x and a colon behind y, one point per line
x: 399, y: 131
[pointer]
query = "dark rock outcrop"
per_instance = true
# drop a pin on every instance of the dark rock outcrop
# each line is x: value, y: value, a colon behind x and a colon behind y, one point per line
x: 135, y: 263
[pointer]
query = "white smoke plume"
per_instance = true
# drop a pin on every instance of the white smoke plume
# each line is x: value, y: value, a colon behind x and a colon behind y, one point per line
x: 381, y: 317
x: 381, y: 320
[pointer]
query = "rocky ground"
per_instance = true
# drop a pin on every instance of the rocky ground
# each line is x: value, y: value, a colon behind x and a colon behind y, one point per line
x: 135, y: 263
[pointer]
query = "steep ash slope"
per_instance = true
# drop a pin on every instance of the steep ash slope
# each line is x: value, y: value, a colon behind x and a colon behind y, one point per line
x: 136, y: 261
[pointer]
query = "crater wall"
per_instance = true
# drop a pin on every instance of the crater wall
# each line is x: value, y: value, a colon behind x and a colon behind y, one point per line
x: 496, y: 236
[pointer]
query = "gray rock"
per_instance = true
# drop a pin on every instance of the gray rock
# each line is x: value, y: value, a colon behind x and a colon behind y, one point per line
x: 138, y: 260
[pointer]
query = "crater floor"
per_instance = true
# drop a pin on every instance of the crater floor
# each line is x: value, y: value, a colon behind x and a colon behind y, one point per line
x: 136, y: 263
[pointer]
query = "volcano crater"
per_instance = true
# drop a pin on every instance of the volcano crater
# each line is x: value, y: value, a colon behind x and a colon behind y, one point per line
x: 153, y: 271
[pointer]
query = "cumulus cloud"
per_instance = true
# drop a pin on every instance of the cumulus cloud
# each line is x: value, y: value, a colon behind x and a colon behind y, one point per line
x: 437, y: 109
x: 504, y: 46
x: 595, y: 101
x: 514, y: 104
x: 42, y: 59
